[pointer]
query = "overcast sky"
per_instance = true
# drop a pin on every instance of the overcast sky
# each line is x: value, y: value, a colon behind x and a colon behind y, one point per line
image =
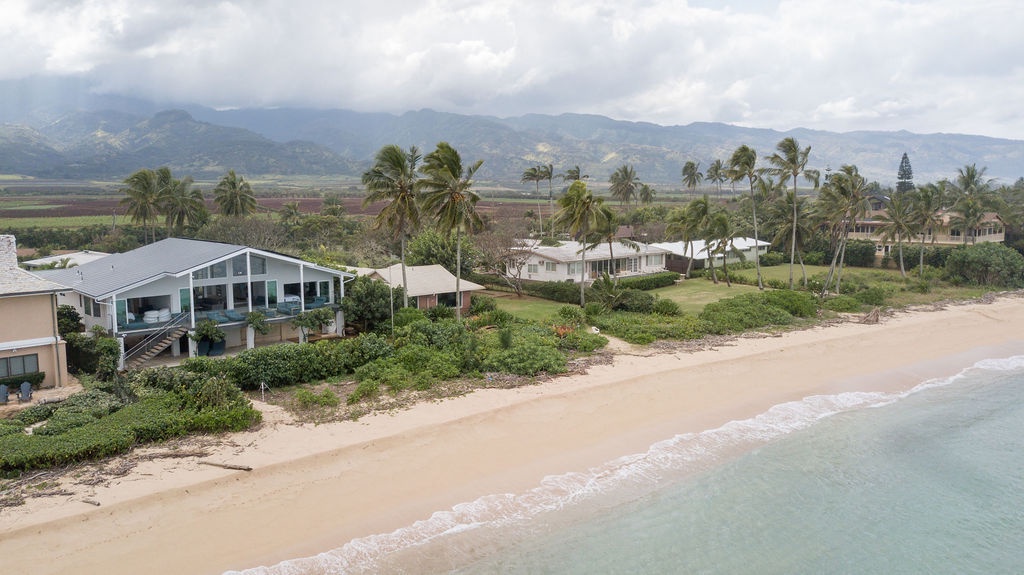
x: 925, y: 66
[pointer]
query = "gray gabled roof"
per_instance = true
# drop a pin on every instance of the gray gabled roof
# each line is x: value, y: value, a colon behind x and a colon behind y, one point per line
x: 16, y: 281
x: 171, y: 257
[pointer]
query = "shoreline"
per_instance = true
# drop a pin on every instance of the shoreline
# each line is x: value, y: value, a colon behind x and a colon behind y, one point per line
x: 313, y: 488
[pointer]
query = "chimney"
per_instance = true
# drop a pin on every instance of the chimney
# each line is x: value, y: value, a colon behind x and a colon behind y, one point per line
x: 8, y: 252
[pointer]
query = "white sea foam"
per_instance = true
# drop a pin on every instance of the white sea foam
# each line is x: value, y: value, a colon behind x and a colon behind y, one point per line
x: 683, y: 453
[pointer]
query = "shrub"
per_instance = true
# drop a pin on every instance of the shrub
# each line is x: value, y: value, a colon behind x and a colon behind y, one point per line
x: 481, y: 303
x: 440, y: 312
x: 842, y: 304
x: 871, y: 296
x: 772, y: 259
x: 63, y: 421
x: 35, y: 414
x: 529, y: 358
x: 366, y: 389
x: 498, y: 317
x: 797, y: 303
x: 649, y: 282
x: 743, y: 312
x: 593, y: 309
x: 572, y: 315
x: 10, y: 427
x: 643, y: 329
x: 666, y: 307
x: 14, y: 381
x: 308, y: 399
x: 860, y: 253
x: 635, y: 300
x: 582, y: 341
x: 408, y: 315
x: 986, y: 264
x: 564, y: 292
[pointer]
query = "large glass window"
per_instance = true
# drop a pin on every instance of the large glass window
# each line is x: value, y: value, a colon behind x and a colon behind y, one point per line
x: 219, y: 270
x: 259, y: 265
x: 238, y: 267
x: 19, y: 365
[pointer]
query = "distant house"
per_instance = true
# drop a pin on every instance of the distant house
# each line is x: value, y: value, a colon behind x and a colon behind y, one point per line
x: 65, y: 260
x: 29, y: 341
x: 682, y: 252
x: 153, y: 296
x: 990, y: 230
x: 563, y: 262
x: 429, y: 285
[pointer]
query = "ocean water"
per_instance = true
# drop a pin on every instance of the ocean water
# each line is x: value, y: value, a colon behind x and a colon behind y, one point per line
x: 926, y: 481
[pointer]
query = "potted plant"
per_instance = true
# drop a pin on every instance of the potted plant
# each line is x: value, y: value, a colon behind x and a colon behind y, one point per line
x: 207, y: 333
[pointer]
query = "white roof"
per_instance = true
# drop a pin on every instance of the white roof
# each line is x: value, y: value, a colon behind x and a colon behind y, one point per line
x: 423, y: 280
x: 74, y: 259
x: 698, y: 250
x: 569, y: 251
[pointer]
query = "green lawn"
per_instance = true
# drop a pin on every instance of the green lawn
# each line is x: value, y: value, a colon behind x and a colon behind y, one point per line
x: 526, y: 307
x: 60, y: 222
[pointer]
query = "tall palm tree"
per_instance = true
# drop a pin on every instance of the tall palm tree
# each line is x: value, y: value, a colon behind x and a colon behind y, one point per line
x: 680, y: 225
x: 743, y: 164
x: 719, y: 237
x: 181, y: 205
x: 448, y: 194
x: 393, y: 179
x: 968, y: 214
x: 624, y: 184
x: 233, y: 196
x: 646, y: 194
x: 143, y: 196
x: 780, y: 223
x: 574, y: 174
x: 606, y: 230
x: 898, y: 222
x: 716, y: 174
x: 695, y: 221
x: 290, y: 214
x: 843, y: 200
x: 578, y: 212
x: 692, y: 175
x: 532, y: 174
x: 928, y: 203
x: 547, y: 172
x: 790, y: 161
x: 972, y: 195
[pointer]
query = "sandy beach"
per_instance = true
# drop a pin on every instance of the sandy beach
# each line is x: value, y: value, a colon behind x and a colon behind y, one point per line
x: 314, y: 487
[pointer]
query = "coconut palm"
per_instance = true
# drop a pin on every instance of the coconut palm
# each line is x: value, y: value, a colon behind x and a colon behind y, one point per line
x: 716, y: 174
x: 578, y: 212
x: 574, y: 174
x: 532, y: 174
x: 290, y: 214
x: 968, y: 214
x: 393, y: 179
x: 448, y: 195
x: 843, y: 200
x: 624, y: 184
x: 898, y: 222
x: 694, y: 224
x: 233, y: 196
x: 606, y: 230
x: 719, y: 237
x: 680, y: 225
x: 928, y: 205
x: 547, y: 172
x: 790, y: 161
x: 779, y: 223
x: 181, y: 205
x: 646, y: 194
x: 143, y: 196
x: 692, y: 175
x: 743, y: 164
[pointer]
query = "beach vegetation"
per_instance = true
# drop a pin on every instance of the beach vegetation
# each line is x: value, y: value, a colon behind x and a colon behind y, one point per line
x: 308, y: 399
x: 641, y: 329
x: 743, y: 312
x: 986, y: 264
x: 842, y: 304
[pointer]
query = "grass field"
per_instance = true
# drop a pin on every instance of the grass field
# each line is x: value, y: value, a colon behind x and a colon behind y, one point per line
x: 60, y: 222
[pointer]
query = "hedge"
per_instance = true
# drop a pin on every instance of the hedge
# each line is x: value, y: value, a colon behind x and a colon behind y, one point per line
x: 649, y: 282
x: 14, y: 382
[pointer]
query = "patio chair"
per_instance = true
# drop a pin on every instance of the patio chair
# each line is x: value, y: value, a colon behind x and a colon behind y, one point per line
x: 26, y: 392
x: 318, y: 302
x: 269, y: 312
x: 4, y: 394
x: 217, y: 317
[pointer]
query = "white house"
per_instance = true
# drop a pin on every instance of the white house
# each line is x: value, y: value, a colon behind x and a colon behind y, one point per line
x: 428, y: 285
x: 563, y: 262
x: 680, y: 252
x: 154, y: 295
x: 67, y: 260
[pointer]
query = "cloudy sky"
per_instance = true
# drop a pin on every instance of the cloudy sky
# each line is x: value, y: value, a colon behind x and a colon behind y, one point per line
x: 919, y: 65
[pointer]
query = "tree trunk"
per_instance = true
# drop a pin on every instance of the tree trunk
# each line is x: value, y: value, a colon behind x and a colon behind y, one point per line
x: 920, y: 264
x: 792, y: 245
x: 458, y: 274
x: 757, y: 249
x: 899, y: 245
x: 405, y: 280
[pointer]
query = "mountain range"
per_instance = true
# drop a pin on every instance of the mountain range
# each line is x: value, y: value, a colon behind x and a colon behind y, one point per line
x: 71, y: 133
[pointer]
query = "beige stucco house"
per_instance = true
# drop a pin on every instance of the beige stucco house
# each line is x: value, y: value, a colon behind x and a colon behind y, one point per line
x: 428, y: 285
x: 29, y: 341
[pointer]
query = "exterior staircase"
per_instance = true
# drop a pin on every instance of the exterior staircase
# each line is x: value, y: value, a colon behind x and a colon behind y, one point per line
x: 157, y: 342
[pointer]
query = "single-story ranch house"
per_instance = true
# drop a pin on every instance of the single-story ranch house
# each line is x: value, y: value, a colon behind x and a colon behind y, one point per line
x: 681, y: 252
x: 428, y: 285
x: 153, y: 296
x: 562, y: 262
x: 29, y: 341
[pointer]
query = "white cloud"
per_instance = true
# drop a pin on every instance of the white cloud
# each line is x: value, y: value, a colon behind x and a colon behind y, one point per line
x: 939, y: 65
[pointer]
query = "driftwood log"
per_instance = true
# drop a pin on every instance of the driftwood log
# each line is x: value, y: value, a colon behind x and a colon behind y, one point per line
x: 227, y: 466
x: 872, y: 316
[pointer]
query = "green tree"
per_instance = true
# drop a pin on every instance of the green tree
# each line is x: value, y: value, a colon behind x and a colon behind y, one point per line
x: 692, y: 176
x: 290, y: 214
x: 905, y: 176
x: 843, y: 200
x: 743, y: 164
x: 717, y: 174
x: 369, y: 303
x: 393, y: 179
x: 646, y: 194
x: 234, y: 196
x: 986, y: 264
x: 431, y: 246
x: 781, y: 223
x: 578, y: 212
x: 898, y: 222
x: 719, y: 237
x: 624, y: 184
x: 790, y: 161
x: 928, y: 202
x: 547, y: 172
x: 144, y: 194
x: 448, y: 194
x: 574, y: 174
x: 532, y: 174
x: 182, y: 206
x: 332, y: 205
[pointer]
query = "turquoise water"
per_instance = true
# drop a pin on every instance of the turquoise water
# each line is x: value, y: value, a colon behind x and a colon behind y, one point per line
x: 930, y: 481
